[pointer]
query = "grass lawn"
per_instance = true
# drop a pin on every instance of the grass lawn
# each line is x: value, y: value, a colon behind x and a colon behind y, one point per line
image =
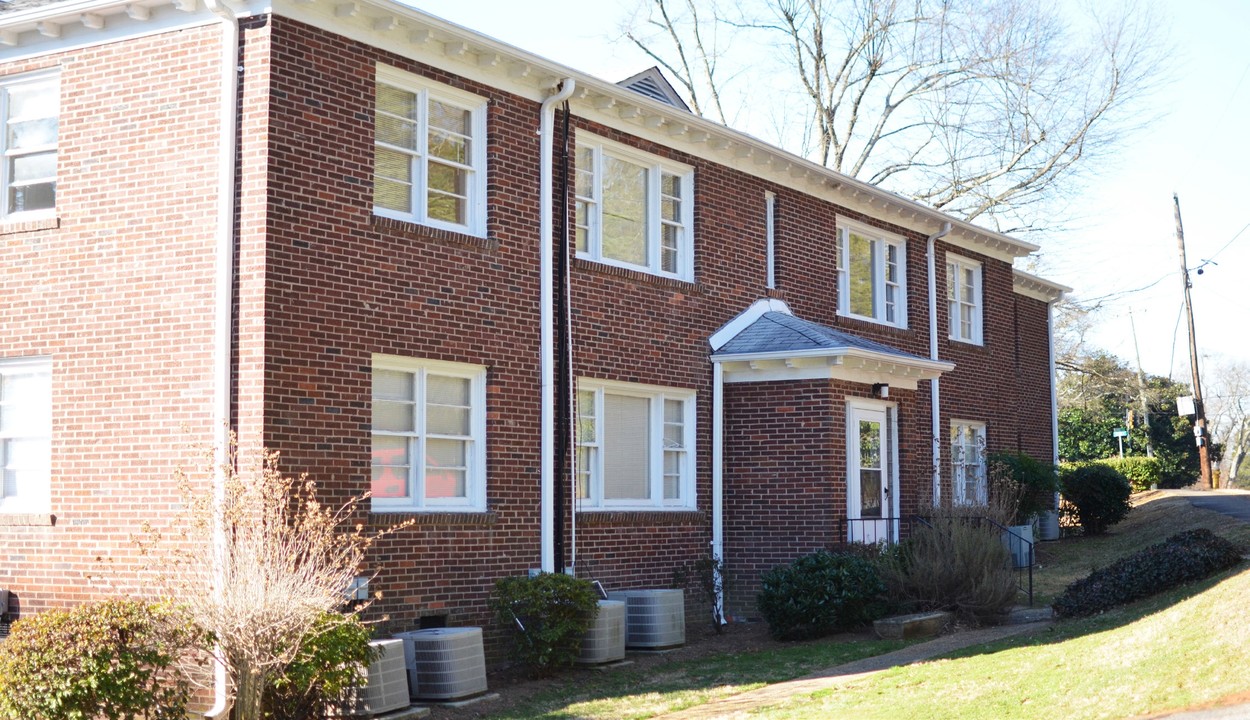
x: 636, y: 693
x: 1146, y: 658
x: 1155, y: 516
x: 1179, y: 649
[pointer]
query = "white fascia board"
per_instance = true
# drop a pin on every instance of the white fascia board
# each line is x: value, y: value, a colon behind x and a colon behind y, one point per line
x: 1038, y: 288
x: 87, y: 23
x: 412, y: 33
x: 730, y: 330
x: 923, y: 364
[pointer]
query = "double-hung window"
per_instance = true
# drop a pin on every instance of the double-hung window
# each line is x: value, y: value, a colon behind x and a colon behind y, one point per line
x: 429, y: 154
x: 429, y: 435
x: 968, y: 463
x: 871, y: 274
x: 30, y: 106
x: 26, y: 435
x: 634, y: 210
x: 963, y: 292
x: 635, y: 446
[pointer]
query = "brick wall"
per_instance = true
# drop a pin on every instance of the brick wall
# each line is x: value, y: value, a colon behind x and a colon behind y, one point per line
x: 120, y: 296
x: 118, y: 292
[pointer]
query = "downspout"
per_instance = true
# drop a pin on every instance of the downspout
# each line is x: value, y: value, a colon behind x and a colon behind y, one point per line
x: 546, y: 293
x: 223, y: 287
x: 718, y: 511
x: 1054, y: 395
x: 934, y: 387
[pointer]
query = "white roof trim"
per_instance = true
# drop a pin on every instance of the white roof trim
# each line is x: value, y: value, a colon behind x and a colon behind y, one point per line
x: 730, y: 330
x: 849, y: 364
x: 412, y: 33
x: 1038, y: 288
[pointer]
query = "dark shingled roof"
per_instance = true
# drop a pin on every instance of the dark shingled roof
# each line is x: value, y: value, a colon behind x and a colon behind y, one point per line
x: 775, y: 332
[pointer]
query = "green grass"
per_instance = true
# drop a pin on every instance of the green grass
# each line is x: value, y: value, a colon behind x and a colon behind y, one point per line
x: 1181, y: 648
x: 1176, y: 650
x: 1154, y: 517
x: 643, y: 693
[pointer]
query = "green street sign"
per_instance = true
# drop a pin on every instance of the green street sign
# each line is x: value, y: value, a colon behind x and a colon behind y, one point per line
x: 1119, y: 432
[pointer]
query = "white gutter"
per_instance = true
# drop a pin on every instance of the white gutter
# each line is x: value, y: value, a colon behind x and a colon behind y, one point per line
x: 935, y: 409
x: 718, y: 511
x: 223, y: 289
x: 547, y: 352
x: 1054, y: 396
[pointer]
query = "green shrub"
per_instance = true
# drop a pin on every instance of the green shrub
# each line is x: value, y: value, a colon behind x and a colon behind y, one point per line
x: 821, y: 593
x: 957, y: 562
x: 1032, y: 483
x: 1098, y: 493
x: 1180, y: 559
x: 549, y: 614
x: 327, y: 665
x: 1140, y: 471
x: 113, y: 659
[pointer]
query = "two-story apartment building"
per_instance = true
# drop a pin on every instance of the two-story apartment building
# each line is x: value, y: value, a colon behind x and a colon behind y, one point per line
x: 351, y: 231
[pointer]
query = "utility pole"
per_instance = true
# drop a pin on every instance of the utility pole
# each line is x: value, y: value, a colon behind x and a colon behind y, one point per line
x: 1202, y: 437
x: 1141, y: 388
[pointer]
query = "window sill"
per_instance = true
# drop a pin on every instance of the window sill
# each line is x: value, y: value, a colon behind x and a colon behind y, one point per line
x: 10, y: 227
x: 641, y: 276
x: 432, y: 517
x: 640, y: 517
x: 417, y: 231
x: 27, y: 519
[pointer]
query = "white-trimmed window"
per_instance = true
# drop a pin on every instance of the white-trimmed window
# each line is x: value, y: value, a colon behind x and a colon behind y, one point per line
x: 633, y: 209
x: 871, y: 274
x: 429, y: 435
x: 963, y: 292
x: 30, y: 106
x: 26, y: 435
x: 429, y: 162
x: 635, y: 446
x: 968, y: 462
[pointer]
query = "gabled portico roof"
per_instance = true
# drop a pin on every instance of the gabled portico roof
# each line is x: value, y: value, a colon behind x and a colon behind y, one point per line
x: 768, y: 342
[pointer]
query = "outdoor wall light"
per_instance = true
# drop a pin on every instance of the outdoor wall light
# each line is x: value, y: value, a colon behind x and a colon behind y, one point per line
x: 880, y: 390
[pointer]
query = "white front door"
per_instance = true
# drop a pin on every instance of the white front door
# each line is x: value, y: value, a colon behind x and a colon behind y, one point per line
x: 870, y: 475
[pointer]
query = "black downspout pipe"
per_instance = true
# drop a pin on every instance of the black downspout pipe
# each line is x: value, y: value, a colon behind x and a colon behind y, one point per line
x: 564, y: 391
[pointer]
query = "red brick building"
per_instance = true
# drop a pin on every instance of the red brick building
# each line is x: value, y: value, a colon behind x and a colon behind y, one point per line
x: 323, y: 225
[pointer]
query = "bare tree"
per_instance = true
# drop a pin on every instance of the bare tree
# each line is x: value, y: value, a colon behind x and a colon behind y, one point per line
x: 975, y: 108
x: 258, y: 563
x: 1228, y: 405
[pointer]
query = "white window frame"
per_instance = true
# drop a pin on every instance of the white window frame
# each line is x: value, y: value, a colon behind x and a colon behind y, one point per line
x: 881, y: 243
x: 655, y: 168
x: 959, y: 429
x: 656, y: 395
x: 425, y: 90
x: 38, y: 499
x: 475, y: 474
x: 955, y: 267
x: 770, y: 238
x: 52, y: 79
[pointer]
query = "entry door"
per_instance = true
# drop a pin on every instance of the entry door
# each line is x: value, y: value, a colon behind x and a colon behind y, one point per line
x: 869, y: 476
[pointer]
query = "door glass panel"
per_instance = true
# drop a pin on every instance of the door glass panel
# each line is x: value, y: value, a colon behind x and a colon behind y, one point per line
x: 870, y: 468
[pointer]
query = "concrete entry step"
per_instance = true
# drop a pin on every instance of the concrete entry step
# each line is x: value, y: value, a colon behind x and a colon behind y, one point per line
x: 916, y: 625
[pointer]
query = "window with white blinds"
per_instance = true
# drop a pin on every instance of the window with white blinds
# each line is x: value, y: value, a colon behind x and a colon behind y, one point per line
x: 635, y: 446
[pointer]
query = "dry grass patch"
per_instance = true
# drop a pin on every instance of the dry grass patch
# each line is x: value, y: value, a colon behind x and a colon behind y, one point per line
x: 1156, y: 514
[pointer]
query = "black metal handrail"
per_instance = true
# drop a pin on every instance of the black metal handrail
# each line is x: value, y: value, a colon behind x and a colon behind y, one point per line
x: 1022, y: 562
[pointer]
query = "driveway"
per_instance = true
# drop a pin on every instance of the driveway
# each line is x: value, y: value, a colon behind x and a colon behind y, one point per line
x: 1233, y: 503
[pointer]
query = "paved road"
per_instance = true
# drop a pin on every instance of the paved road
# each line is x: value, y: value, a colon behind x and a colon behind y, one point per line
x: 1233, y: 503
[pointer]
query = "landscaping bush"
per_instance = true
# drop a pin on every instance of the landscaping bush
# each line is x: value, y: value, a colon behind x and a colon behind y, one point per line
x: 957, y: 562
x: 1098, y: 493
x: 1182, y: 558
x: 1140, y: 471
x: 549, y: 614
x: 1030, y: 483
x: 821, y: 593
x: 113, y: 659
x: 328, y: 663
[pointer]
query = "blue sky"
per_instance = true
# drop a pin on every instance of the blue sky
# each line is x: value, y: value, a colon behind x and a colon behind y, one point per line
x: 1122, y: 234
